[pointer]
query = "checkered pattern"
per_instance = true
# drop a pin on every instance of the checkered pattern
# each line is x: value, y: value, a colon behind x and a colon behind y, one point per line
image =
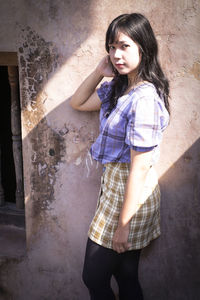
x: 137, y: 122
x: 145, y: 224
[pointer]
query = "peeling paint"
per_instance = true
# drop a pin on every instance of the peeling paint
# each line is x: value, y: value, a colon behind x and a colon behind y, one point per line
x: 41, y: 169
x: 78, y: 161
x: 80, y: 140
x: 38, y: 60
x: 89, y: 162
x: 64, y: 130
x: 50, y: 148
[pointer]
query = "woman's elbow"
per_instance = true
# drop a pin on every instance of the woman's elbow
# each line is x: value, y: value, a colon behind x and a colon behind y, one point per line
x: 72, y: 103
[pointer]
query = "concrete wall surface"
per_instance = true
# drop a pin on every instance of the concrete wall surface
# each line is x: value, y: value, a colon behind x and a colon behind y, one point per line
x: 58, y: 44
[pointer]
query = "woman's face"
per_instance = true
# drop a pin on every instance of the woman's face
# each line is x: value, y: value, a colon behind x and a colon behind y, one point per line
x: 125, y: 54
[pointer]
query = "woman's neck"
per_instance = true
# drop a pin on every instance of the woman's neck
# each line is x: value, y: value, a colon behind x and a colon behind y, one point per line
x: 133, y: 80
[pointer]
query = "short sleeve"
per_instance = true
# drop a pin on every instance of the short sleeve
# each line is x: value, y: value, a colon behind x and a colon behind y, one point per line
x: 146, y: 121
x: 104, y: 91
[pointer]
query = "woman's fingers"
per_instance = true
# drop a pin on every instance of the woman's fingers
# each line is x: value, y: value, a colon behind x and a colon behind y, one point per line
x: 105, y: 67
x: 120, y: 239
x: 121, y: 247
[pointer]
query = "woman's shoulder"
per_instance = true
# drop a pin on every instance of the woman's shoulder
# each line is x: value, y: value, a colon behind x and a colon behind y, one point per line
x: 146, y: 94
x: 148, y: 108
x: 146, y: 99
x: 145, y: 89
x: 104, y: 90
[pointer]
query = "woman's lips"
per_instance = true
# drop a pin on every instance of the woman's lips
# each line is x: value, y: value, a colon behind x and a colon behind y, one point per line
x: 119, y: 65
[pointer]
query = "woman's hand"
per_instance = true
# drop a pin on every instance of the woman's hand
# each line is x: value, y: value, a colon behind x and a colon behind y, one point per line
x: 85, y: 98
x: 120, y: 239
x: 105, y: 67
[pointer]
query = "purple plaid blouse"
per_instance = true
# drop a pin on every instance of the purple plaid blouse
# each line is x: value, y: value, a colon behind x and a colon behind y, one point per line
x: 137, y: 122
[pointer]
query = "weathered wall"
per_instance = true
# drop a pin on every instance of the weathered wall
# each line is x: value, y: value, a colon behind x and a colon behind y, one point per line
x: 58, y: 44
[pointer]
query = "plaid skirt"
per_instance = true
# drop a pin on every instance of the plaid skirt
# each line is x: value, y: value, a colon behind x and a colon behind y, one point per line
x: 144, y: 225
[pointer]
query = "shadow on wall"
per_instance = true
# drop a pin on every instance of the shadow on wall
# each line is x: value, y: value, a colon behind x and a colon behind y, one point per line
x: 174, y: 258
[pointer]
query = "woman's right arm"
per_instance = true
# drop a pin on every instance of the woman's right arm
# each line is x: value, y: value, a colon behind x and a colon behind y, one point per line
x: 86, y: 98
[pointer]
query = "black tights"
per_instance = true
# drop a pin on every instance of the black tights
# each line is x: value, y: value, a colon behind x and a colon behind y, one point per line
x: 99, y: 266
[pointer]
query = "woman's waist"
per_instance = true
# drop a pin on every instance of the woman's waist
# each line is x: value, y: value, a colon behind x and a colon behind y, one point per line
x: 151, y: 176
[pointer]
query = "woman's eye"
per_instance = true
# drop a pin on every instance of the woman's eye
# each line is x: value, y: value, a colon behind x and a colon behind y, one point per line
x: 111, y: 47
x: 125, y: 46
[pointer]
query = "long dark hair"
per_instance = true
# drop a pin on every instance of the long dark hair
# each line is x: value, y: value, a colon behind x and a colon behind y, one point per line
x: 138, y: 28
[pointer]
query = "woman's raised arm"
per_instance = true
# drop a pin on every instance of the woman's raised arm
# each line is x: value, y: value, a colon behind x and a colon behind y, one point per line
x: 85, y: 98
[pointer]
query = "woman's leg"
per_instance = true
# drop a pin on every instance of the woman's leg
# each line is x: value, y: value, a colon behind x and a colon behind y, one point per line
x: 97, y: 271
x: 127, y: 276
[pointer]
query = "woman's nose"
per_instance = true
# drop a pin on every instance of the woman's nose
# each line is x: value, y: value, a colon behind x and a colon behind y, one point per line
x: 117, y: 53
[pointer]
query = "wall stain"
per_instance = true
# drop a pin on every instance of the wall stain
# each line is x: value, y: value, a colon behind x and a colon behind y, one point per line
x: 38, y: 61
x: 187, y: 158
x: 195, y: 70
x: 48, y: 152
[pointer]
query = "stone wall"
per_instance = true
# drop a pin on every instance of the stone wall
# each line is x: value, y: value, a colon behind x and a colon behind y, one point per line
x: 58, y: 44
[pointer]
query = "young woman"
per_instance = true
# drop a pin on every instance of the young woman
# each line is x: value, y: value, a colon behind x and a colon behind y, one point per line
x: 134, y: 111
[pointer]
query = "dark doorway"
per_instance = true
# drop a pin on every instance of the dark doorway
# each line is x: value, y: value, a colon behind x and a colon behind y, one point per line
x: 7, y: 162
x: 11, y: 170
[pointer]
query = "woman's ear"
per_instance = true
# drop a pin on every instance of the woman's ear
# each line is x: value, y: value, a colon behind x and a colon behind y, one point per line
x: 140, y: 52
